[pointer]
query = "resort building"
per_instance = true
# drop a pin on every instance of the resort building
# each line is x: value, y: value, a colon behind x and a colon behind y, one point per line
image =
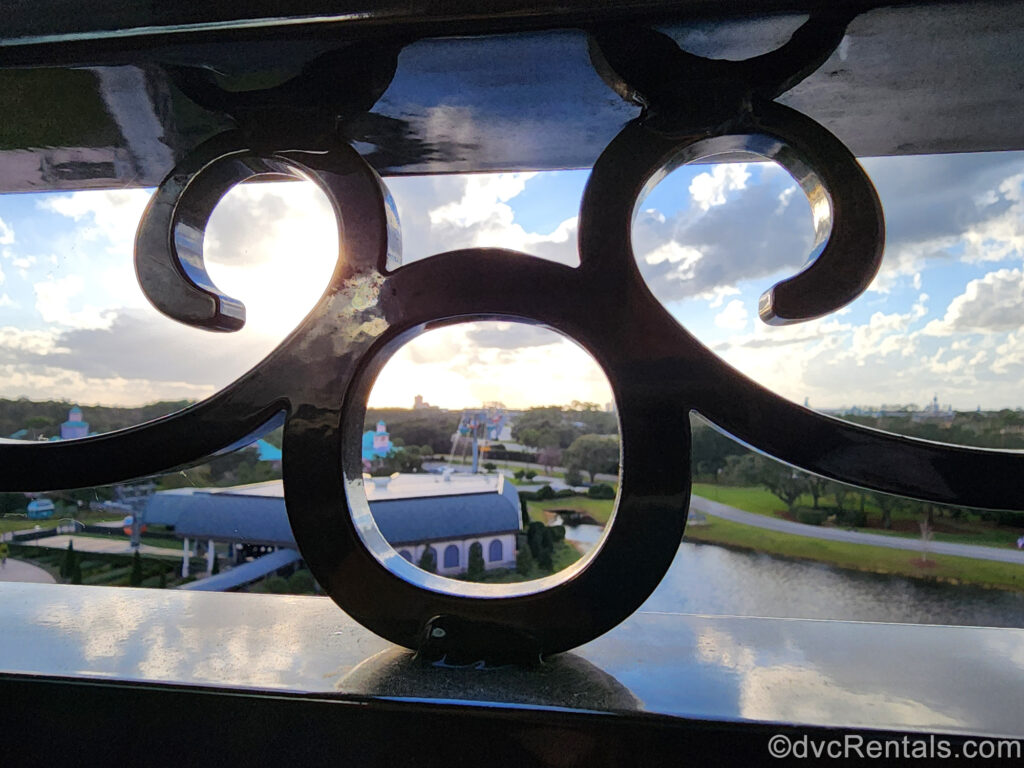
x: 414, y: 512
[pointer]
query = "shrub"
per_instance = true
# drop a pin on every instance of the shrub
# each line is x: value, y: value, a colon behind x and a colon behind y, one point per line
x: 811, y: 516
x: 524, y: 561
x: 541, y: 544
x: 601, y: 491
x: 545, y: 493
x: 490, y: 466
x: 67, y: 565
x: 527, y: 496
x: 301, y: 582
x: 519, y: 474
x: 476, y: 567
x: 530, y: 474
x: 564, y: 493
x: 557, y: 532
x: 136, y: 577
x: 277, y: 585
x: 428, y: 560
x: 573, y: 476
x: 852, y: 518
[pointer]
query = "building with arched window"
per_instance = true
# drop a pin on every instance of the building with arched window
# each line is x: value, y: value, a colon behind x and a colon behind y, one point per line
x: 448, y: 513
x: 414, y: 512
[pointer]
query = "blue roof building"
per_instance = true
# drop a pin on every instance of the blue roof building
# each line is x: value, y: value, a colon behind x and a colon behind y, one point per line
x: 74, y: 426
x: 413, y: 512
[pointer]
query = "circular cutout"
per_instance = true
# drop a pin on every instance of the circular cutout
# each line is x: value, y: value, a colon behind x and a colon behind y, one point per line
x: 504, y: 471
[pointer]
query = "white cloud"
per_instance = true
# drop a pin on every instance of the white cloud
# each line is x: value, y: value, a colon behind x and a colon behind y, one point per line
x: 451, y: 369
x: 55, y: 297
x: 18, y: 340
x: 991, y: 304
x: 6, y: 233
x: 733, y: 317
x: 23, y: 264
x: 483, y: 200
x: 6, y: 300
x: 708, y: 189
x: 718, y: 295
x: 110, y: 214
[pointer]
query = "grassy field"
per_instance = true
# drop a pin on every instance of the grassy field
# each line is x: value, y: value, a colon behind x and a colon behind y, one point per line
x: 964, y: 531
x: 599, y: 509
x: 859, y: 557
x: 22, y: 523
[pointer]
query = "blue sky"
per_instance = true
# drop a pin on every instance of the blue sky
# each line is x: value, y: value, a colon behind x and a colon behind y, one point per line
x: 943, y: 317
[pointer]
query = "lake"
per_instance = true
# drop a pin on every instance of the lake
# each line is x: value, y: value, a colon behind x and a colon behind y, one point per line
x: 708, y: 579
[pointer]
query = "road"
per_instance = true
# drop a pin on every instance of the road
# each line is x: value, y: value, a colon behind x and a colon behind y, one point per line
x: 16, y: 570
x: 724, y: 511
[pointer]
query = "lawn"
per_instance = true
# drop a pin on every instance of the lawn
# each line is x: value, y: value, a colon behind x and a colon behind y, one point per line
x: 859, y: 557
x: 599, y: 509
x: 750, y: 499
x: 19, y: 522
x: 970, y: 531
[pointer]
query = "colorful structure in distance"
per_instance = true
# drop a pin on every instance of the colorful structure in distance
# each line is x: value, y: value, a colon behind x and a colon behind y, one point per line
x: 376, y: 445
x: 74, y: 427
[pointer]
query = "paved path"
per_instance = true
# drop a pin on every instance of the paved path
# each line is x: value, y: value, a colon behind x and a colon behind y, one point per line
x: 111, y: 546
x: 726, y: 512
x: 16, y: 570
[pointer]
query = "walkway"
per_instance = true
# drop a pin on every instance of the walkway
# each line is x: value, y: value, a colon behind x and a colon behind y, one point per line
x: 114, y: 545
x: 17, y: 570
x: 726, y: 512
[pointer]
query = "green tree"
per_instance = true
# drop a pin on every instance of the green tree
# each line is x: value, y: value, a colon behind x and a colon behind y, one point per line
x: 887, y: 504
x: 301, y: 582
x: 277, y: 585
x: 782, y: 481
x: 428, y: 560
x: 524, y: 511
x: 549, y: 457
x: 524, y: 561
x: 476, y: 567
x: 817, y: 487
x: 541, y: 544
x: 67, y: 565
x: 136, y: 576
x: 593, y: 454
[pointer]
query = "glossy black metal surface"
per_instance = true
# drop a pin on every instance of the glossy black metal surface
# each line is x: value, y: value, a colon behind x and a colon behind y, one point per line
x: 905, y: 79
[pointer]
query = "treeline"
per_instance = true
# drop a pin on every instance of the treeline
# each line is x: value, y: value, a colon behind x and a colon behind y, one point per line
x: 43, y: 418
x: 982, y: 429
x: 558, y: 426
x: 985, y: 429
x: 421, y: 426
x: 716, y: 458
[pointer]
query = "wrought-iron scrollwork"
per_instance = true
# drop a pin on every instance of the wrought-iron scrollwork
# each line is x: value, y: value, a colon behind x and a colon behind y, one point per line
x: 320, y: 376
